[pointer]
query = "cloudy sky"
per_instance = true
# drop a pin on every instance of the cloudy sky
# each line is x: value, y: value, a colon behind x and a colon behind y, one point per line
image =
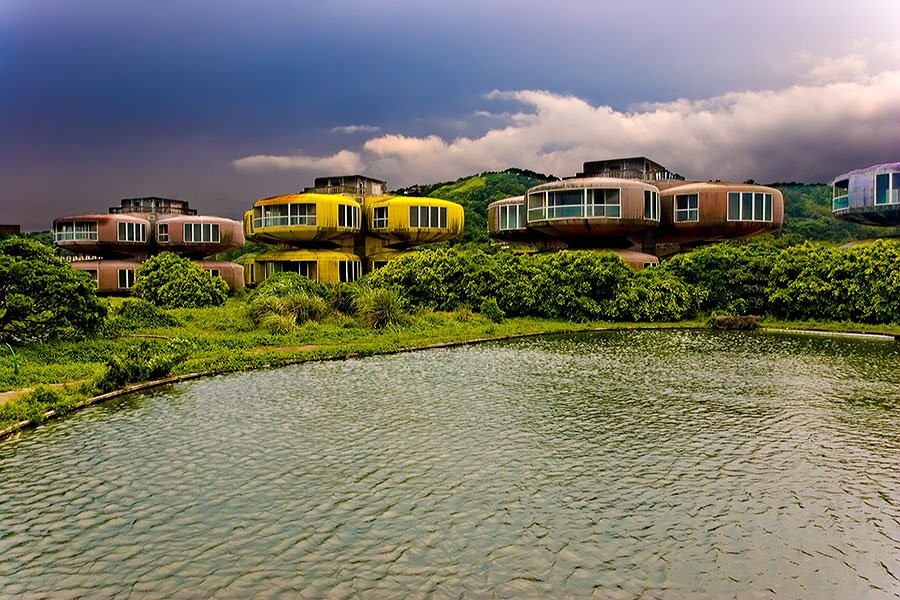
x: 221, y: 102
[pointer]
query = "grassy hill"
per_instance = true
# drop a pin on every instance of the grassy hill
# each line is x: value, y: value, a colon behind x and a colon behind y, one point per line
x: 807, y: 216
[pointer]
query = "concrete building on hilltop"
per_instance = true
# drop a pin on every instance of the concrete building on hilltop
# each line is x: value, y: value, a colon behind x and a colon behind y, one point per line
x: 342, y: 228
x: 869, y: 196
x: 111, y: 246
x: 636, y: 208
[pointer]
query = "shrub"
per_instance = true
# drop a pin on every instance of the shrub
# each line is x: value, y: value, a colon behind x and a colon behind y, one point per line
x: 172, y: 281
x: 733, y: 278
x: 41, y: 297
x: 277, y: 324
x: 340, y: 297
x: 137, y: 313
x: 654, y: 295
x: 143, y: 362
x: 491, y: 310
x: 304, y: 307
x: 380, y: 307
x: 284, y: 284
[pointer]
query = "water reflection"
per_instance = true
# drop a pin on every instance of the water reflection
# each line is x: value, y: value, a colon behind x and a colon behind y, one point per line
x: 621, y: 464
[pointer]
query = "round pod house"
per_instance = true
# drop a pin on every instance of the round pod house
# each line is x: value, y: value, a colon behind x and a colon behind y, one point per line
x: 870, y: 196
x: 324, y: 266
x: 594, y: 209
x: 402, y: 221
x: 303, y: 218
x: 506, y: 221
x: 110, y: 275
x: 106, y: 235
x: 710, y: 211
x: 197, y: 236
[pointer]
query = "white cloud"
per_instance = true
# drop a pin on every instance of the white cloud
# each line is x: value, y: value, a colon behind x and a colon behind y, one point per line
x: 804, y: 132
x: 352, y: 129
x: 344, y: 161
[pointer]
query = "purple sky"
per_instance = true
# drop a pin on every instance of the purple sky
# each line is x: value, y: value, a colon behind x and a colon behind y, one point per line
x: 223, y: 102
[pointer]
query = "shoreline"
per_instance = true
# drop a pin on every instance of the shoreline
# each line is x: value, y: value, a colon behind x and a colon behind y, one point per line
x: 13, y: 430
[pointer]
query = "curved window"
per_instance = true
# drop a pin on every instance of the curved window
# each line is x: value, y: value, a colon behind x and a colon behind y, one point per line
x: 198, y: 233
x: 162, y: 233
x: 350, y: 270
x: 348, y: 216
x: 651, y: 205
x: 511, y: 217
x: 887, y: 188
x: 277, y: 215
x: 575, y: 204
x: 749, y: 206
x: 307, y: 268
x: 434, y: 217
x: 73, y: 231
x: 687, y: 208
x: 840, y: 196
x: 132, y: 232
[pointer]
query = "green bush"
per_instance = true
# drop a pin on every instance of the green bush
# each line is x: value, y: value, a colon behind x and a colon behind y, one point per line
x: 284, y: 284
x: 172, y: 281
x: 340, y: 297
x: 305, y: 307
x: 654, y: 295
x: 41, y: 297
x: 143, y: 362
x: 732, y: 278
x: 137, y: 313
x: 491, y: 310
x: 380, y: 307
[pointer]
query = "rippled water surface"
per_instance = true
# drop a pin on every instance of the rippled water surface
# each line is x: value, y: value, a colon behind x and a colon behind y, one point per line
x: 621, y: 464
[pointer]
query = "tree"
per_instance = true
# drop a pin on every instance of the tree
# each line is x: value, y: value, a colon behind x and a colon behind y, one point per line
x: 41, y: 297
x: 171, y: 281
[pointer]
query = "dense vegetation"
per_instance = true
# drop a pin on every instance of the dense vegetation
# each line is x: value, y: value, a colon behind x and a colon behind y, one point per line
x: 41, y: 297
x: 172, y: 281
x: 807, y: 216
x: 809, y: 281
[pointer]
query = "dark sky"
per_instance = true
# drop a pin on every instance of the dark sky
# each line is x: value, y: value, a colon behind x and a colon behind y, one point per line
x: 220, y: 103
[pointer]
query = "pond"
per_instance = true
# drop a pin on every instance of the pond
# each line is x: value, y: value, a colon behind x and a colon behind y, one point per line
x: 618, y: 464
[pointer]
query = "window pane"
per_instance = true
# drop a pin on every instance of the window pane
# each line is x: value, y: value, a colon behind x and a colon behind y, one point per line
x: 734, y: 206
x: 413, y: 216
x: 768, y: 211
x: 881, y: 188
x: 435, y: 217
x: 747, y: 206
x: 757, y: 207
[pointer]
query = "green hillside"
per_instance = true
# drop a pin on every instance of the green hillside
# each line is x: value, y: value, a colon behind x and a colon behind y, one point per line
x: 807, y: 216
x: 476, y: 192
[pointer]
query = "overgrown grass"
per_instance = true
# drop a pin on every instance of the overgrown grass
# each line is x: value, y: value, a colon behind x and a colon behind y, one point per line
x: 224, y: 339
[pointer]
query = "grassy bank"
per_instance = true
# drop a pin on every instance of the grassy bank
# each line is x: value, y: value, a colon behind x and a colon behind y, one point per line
x: 59, y: 377
x: 62, y: 376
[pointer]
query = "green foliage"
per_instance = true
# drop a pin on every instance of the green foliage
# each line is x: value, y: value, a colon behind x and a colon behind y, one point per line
x: 280, y: 314
x: 807, y: 216
x: 732, y: 278
x: 491, y: 310
x: 136, y: 313
x: 340, y: 297
x: 380, y: 307
x: 144, y: 362
x: 41, y: 297
x: 816, y: 281
x: 655, y: 295
x: 172, y: 281
x: 575, y: 285
x: 284, y: 284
